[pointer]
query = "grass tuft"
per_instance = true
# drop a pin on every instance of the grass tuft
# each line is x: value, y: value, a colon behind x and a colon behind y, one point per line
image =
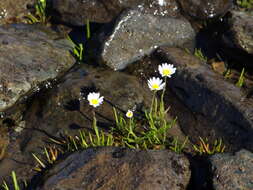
x: 40, y: 15
x: 240, y: 81
x: 78, y: 50
x: 204, y: 148
x: 198, y: 53
x: 16, y: 184
x: 248, y: 4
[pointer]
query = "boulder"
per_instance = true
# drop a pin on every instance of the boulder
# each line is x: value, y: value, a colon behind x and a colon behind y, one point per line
x: 65, y: 109
x: 219, y: 108
x: 76, y: 12
x: 12, y: 11
x: 137, y: 33
x: 233, y: 171
x: 205, y: 9
x: 119, y: 168
x: 30, y: 55
x: 239, y: 34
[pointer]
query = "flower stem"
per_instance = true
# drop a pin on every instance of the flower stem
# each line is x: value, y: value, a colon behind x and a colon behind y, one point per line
x: 165, y: 81
x: 162, y: 98
x: 152, y: 103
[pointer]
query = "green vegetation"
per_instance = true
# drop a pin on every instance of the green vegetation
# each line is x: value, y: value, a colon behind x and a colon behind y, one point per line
x: 198, y: 53
x: 176, y: 146
x: 240, y: 81
x: 78, y: 49
x: 205, y: 148
x: 245, y: 3
x: 39, y: 16
x: 147, y: 131
x: 149, y: 135
x: 15, y: 183
x: 227, y: 74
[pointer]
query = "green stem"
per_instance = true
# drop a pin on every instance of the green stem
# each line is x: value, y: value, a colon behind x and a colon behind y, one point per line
x: 131, y: 128
x: 88, y: 29
x: 152, y: 103
x: 164, y: 89
x: 162, y: 98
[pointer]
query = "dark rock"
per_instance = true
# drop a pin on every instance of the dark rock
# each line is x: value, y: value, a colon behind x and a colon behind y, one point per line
x: 137, y: 33
x: 233, y: 171
x: 119, y: 168
x: 218, y: 106
x: 205, y: 9
x: 12, y: 11
x: 29, y: 56
x: 76, y: 12
x: 4, y: 141
x: 162, y: 8
x: 63, y: 109
x: 240, y: 31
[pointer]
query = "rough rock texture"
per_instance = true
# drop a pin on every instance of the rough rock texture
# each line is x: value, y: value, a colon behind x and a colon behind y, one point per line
x: 240, y: 32
x: 76, y: 12
x: 119, y: 168
x: 233, y: 171
x: 204, y: 9
x: 163, y: 8
x: 222, y: 105
x: 29, y: 56
x: 51, y: 113
x: 12, y: 11
x: 137, y: 33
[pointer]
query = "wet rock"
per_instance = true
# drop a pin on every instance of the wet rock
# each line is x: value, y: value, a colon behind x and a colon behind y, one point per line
x: 205, y: 9
x: 29, y: 56
x: 233, y: 171
x: 70, y: 96
x: 240, y: 32
x: 162, y: 8
x: 12, y: 11
x: 76, y: 12
x: 137, y: 33
x: 219, y: 107
x: 65, y: 109
x: 119, y: 168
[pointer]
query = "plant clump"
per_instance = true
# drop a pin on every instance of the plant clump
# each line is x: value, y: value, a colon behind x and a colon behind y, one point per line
x: 248, y: 4
x: 147, y: 131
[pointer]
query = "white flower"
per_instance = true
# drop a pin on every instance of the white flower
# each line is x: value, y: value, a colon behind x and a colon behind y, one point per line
x: 166, y: 70
x: 155, y: 84
x: 95, y: 99
x: 129, y: 114
x: 161, y: 2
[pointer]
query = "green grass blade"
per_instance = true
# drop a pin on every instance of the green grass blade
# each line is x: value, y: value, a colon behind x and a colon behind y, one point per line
x: 88, y: 29
x: 15, y: 182
x: 39, y: 161
x: 5, y: 186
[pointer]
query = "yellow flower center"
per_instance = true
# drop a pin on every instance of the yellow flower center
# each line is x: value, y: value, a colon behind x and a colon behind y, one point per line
x: 94, y: 101
x: 155, y: 86
x: 129, y: 114
x: 166, y: 72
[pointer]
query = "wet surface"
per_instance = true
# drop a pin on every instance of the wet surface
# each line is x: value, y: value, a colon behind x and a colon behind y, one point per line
x: 204, y: 102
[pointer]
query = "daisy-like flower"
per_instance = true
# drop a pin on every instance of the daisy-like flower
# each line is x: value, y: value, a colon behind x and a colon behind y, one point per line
x: 94, y: 99
x: 155, y: 84
x: 166, y: 70
x: 129, y: 114
x: 161, y: 2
